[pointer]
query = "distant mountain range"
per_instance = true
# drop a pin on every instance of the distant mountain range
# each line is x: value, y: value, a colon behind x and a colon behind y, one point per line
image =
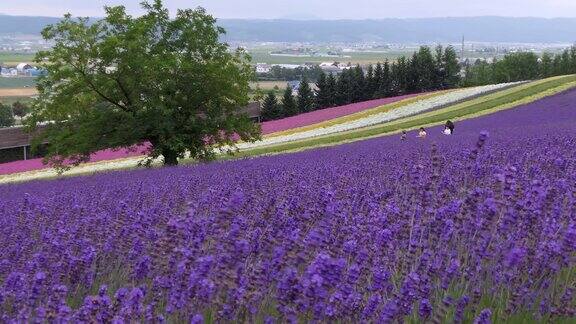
x: 425, y: 30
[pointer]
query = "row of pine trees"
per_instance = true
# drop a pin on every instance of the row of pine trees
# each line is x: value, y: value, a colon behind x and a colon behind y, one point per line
x: 426, y: 70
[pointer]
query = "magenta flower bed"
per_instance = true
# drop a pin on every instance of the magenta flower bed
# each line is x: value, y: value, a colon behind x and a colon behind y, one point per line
x: 267, y: 128
x: 326, y: 114
x: 36, y: 164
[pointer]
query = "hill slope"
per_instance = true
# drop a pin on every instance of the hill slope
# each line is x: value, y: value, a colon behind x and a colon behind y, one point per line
x: 381, y: 230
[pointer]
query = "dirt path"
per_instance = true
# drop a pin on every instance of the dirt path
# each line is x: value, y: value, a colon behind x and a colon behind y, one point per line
x: 18, y: 92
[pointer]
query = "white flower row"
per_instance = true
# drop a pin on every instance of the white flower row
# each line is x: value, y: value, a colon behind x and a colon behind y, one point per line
x: 415, y: 108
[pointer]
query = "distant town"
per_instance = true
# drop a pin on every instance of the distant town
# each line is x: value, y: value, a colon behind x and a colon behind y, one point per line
x: 17, y: 52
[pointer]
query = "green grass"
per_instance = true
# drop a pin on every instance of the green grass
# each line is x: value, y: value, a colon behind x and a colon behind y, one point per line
x: 15, y: 58
x: 476, y: 107
x: 18, y: 82
x: 11, y: 100
x: 259, y: 56
x: 262, y: 55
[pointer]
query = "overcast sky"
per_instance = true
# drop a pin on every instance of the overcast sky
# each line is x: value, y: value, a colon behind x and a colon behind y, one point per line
x: 304, y: 9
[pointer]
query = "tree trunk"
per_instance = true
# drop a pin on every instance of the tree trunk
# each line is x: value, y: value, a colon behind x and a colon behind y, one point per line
x: 170, y: 157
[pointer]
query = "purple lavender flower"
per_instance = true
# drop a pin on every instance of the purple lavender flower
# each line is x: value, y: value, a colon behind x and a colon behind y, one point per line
x: 372, y: 231
x: 484, y: 317
x: 425, y: 309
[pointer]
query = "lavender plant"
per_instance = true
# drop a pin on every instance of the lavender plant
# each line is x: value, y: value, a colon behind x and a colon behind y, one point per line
x: 479, y: 227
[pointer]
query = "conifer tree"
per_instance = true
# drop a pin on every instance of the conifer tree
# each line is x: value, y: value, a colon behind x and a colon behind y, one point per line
x: 546, y: 65
x: 343, y: 87
x: 289, y: 107
x: 572, y: 60
x: 270, y: 107
x: 439, y: 68
x: 331, y: 90
x: 305, y: 100
x: 399, y: 73
x: 421, y: 71
x: 371, y: 84
x: 358, y: 84
x: 323, y: 92
x: 386, y: 81
x: 451, y: 68
x: 377, y: 80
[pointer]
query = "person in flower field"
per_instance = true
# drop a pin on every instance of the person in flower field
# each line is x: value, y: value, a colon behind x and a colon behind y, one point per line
x: 404, y: 136
x: 449, y: 128
x: 422, y: 133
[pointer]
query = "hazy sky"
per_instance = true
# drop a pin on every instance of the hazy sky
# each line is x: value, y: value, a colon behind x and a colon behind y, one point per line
x: 326, y: 9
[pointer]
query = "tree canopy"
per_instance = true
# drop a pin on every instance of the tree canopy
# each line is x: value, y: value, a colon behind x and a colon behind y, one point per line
x: 289, y: 106
x: 6, y: 116
x: 271, y: 109
x: 122, y: 81
x: 305, y: 98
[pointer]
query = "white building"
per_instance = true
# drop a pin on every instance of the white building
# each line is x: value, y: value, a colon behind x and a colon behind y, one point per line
x: 289, y: 66
x: 262, y: 68
x: 328, y: 64
x: 9, y: 72
x: 22, y: 67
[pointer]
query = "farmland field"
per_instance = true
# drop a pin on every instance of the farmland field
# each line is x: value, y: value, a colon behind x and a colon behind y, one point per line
x: 354, y: 58
x: 15, y: 58
x: 17, y: 82
x: 478, y: 226
x: 11, y: 100
x: 269, y: 85
x: 17, y: 92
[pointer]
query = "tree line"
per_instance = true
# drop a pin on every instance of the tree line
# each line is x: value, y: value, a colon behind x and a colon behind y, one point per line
x: 426, y: 70
x: 520, y: 66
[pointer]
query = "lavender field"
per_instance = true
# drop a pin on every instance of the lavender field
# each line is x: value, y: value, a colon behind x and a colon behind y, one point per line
x: 477, y: 227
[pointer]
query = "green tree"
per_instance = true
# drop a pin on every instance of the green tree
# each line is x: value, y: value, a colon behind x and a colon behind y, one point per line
x: 305, y: 97
x: 331, y: 89
x: 343, y: 88
x: 421, y: 71
x: 377, y: 82
x: 258, y: 94
x: 451, y: 69
x: 516, y: 67
x: 123, y: 81
x: 270, y: 108
x: 546, y: 65
x: 20, y: 109
x: 371, y: 83
x: 289, y: 107
x: 358, y: 86
x: 480, y: 73
x: 6, y: 116
x: 387, y: 87
x: 399, y: 76
x: 323, y: 92
x: 572, y: 59
x: 440, y: 72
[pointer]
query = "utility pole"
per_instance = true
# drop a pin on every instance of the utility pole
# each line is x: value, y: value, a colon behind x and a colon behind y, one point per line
x: 462, y: 55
